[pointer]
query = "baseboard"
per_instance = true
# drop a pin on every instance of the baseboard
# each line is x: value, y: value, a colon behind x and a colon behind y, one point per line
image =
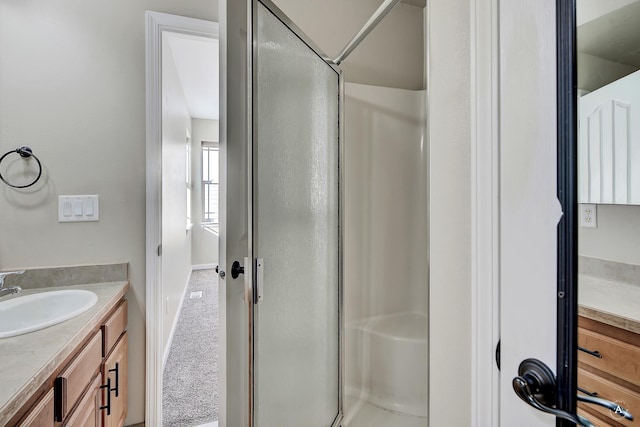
x: 136, y: 425
x: 175, y: 322
x: 203, y: 267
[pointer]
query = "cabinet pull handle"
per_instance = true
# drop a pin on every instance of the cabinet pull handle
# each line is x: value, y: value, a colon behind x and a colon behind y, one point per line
x: 116, y: 370
x: 588, y: 393
x: 595, y: 353
x: 108, y: 405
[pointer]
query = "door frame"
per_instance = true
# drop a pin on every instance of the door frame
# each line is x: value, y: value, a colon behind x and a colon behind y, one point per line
x: 485, y: 219
x: 156, y: 24
x: 567, y: 106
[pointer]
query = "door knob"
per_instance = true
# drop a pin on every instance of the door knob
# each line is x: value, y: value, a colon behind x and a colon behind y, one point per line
x: 536, y: 385
x: 236, y: 269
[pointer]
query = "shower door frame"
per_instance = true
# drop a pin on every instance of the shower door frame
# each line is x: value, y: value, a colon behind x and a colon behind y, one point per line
x: 251, y: 122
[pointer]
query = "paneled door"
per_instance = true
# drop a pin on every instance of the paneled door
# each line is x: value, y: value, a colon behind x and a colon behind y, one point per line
x: 293, y: 274
x: 529, y: 207
x: 608, y: 143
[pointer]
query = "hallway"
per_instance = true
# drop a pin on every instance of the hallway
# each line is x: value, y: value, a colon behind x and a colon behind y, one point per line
x: 190, y: 389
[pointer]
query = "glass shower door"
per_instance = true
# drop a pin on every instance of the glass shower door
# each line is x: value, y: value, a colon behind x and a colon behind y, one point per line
x: 295, y: 244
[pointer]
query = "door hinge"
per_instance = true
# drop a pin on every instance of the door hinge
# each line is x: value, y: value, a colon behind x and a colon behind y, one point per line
x: 159, y: 250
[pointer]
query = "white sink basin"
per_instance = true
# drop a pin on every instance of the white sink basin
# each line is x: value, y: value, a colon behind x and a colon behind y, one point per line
x: 38, y: 311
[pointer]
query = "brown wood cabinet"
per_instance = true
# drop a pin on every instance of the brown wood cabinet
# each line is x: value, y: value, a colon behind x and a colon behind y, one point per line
x: 87, y: 414
x: 41, y: 415
x: 90, y: 387
x: 114, y: 374
x: 611, y: 370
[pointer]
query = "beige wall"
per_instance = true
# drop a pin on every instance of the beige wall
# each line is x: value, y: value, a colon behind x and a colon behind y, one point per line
x: 72, y: 79
x: 392, y: 54
x: 617, y: 237
x: 176, y: 240
x: 588, y: 10
x: 450, y: 213
x: 595, y: 72
x: 205, y: 243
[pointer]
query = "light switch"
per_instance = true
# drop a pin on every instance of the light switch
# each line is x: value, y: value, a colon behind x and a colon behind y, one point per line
x: 78, y: 208
x: 87, y: 207
x: 66, y: 208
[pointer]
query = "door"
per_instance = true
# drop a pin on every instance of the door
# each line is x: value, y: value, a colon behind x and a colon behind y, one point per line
x: 295, y: 225
x: 529, y: 208
x: 289, y: 330
x: 608, y: 143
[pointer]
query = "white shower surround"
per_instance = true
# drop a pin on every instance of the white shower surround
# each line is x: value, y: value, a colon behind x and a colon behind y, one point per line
x: 386, y: 254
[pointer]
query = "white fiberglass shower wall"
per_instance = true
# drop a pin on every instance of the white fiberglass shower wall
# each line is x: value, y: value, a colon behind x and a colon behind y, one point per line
x: 386, y: 257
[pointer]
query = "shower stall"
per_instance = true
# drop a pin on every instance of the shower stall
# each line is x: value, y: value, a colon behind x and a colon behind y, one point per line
x: 336, y: 277
x: 386, y: 257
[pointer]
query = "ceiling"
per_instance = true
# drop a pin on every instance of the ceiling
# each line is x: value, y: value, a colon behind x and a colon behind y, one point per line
x: 614, y: 36
x: 197, y: 62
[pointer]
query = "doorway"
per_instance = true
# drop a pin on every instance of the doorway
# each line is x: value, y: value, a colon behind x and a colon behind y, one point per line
x: 182, y: 240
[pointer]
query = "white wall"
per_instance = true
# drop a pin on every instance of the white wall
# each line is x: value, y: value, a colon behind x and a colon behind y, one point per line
x: 386, y: 238
x: 450, y: 213
x: 72, y: 79
x: 176, y: 240
x: 391, y: 55
x: 204, y: 243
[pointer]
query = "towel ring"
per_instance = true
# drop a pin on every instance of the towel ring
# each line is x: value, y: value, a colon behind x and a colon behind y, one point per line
x: 25, y: 153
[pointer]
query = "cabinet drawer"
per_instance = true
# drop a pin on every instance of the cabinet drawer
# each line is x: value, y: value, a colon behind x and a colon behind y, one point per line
x: 611, y: 391
x: 597, y: 422
x: 619, y: 358
x: 113, y: 327
x: 87, y: 412
x: 41, y: 415
x: 74, y: 379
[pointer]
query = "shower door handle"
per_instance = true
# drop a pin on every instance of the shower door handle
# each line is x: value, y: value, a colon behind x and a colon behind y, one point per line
x: 236, y: 269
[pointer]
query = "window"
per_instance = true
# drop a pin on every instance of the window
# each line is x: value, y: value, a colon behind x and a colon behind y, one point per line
x: 210, y: 182
x: 188, y: 177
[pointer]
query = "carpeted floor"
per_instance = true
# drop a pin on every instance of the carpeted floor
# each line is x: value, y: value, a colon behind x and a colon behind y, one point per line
x: 190, y: 389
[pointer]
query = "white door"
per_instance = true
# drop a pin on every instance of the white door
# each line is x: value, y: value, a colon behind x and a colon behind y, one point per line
x: 529, y: 208
x: 609, y: 125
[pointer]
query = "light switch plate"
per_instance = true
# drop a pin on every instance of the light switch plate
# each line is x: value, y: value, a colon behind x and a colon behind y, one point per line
x: 78, y: 208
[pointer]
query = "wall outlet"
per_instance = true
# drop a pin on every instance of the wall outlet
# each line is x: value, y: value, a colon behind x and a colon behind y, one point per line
x: 588, y: 216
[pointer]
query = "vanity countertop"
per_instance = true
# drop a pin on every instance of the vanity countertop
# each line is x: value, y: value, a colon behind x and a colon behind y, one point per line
x: 27, y: 361
x: 613, y: 303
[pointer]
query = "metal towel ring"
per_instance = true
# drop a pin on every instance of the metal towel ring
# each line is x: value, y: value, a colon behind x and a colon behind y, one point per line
x: 25, y: 153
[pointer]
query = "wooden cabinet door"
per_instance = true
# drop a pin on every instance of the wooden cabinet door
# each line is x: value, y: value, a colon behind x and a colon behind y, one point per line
x: 87, y: 414
x: 41, y: 415
x: 114, y: 373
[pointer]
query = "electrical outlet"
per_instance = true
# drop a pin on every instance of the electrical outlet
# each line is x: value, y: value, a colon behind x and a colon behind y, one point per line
x: 588, y: 216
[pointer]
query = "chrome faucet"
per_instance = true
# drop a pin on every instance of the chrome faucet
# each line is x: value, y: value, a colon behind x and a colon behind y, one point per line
x: 11, y: 290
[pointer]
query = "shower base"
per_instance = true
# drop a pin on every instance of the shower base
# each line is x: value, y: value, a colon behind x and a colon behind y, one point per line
x: 386, y: 371
x: 365, y: 414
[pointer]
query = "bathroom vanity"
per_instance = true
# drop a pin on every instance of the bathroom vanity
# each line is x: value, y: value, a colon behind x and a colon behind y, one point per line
x: 609, y: 338
x: 70, y: 374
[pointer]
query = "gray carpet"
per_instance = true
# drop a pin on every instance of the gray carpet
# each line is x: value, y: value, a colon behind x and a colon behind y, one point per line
x: 190, y: 389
